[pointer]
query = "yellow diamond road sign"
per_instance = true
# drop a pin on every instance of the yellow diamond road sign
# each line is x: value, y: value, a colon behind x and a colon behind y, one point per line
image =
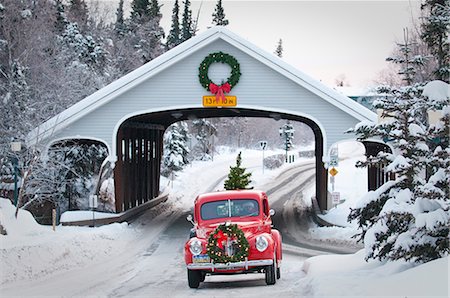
x: 333, y: 172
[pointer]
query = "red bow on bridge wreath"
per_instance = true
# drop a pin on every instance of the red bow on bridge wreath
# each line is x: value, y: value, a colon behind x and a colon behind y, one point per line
x: 220, y: 91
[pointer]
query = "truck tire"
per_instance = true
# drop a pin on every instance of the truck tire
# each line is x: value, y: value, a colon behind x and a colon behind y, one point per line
x: 271, y: 274
x: 194, y: 278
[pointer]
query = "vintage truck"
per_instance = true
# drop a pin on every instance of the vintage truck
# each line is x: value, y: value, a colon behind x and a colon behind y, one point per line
x: 232, y: 234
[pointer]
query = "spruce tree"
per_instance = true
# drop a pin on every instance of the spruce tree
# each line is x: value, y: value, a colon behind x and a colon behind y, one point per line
x: 61, y: 20
x: 435, y: 33
x: 237, y: 178
x: 140, y: 10
x: 174, y: 37
x: 146, y: 34
x: 204, y: 131
x: 409, y: 63
x: 279, y: 49
x: 219, y: 15
x: 78, y: 12
x: 187, y: 30
x: 175, y: 148
x: 154, y: 9
x: 119, y: 26
x: 408, y: 217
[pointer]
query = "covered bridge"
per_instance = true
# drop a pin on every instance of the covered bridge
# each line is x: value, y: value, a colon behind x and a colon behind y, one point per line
x: 130, y: 115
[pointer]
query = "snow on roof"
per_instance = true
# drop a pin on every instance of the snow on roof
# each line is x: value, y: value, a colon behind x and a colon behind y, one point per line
x: 148, y: 70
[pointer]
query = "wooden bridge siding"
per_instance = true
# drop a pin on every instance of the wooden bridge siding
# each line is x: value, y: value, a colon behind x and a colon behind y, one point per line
x: 137, y: 170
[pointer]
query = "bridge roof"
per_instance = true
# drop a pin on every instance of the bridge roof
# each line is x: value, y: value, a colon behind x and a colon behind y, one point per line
x: 152, y: 68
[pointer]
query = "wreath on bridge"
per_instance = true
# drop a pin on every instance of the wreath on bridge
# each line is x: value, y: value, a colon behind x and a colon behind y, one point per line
x: 230, y: 234
x: 205, y: 81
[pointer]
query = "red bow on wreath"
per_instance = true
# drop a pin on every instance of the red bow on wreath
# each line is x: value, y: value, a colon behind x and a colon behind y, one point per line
x: 221, y: 237
x: 220, y: 91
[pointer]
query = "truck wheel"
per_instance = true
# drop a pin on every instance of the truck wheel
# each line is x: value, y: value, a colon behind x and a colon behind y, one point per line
x: 202, y: 276
x: 194, y: 278
x: 270, y: 274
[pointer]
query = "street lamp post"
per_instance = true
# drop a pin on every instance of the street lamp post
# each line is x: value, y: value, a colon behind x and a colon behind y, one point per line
x: 16, y: 147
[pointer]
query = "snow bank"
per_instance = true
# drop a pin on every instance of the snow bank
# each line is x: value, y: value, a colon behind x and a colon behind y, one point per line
x: 30, y: 251
x: 437, y: 91
x: 350, y: 275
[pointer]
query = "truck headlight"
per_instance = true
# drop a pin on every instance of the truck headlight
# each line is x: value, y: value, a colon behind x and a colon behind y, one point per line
x: 261, y: 243
x: 195, y: 247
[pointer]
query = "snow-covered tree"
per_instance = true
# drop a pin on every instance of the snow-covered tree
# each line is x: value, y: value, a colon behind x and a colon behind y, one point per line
x: 155, y: 9
x: 237, y: 178
x: 408, y: 62
x: 66, y: 176
x: 174, y: 37
x: 279, y: 49
x: 119, y: 26
x: 61, y: 19
x: 401, y: 219
x: 219, y: 15
x: 84, y: 47
x: 146, y: 34
x: 78, y: 13
x: 204, y: 131
x: 187, y: 28
x: 435, y: 33
x: 140, y: 9
x: 176, y: 149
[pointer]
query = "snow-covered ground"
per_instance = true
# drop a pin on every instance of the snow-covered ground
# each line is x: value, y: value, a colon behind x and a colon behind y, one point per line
x: 30, y: 253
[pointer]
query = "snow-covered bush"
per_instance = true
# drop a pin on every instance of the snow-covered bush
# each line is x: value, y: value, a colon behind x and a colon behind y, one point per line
x: 65, y: 177
x: 274, y: 161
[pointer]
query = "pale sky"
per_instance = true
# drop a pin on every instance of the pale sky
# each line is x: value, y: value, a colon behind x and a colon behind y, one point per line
x: 324, y: 39
x: 321, y: 38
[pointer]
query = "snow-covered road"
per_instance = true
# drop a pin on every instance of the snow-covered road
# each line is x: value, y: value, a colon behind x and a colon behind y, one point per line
x: 150, y: 263
x: 144, y: 258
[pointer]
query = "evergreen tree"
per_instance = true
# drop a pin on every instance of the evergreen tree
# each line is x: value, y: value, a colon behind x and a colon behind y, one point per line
x: 78, y: 12
x: 175, y: 148
x: 205, y: 130
x: 174, y: 37
x: 237, y: 178
x: 146, y: 34
x: 409, y: 64
x: 61, y: 20
x: 279, y: 49
x: 155, y: 9
x: 187, y: 30
x: 119, y: 26
x: 435, y: 33
x: 140, y: 10
x: 404, y: 218
x: 219, y: 15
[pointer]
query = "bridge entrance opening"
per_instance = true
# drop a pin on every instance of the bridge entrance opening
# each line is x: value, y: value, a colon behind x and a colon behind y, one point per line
x: 140, y: 147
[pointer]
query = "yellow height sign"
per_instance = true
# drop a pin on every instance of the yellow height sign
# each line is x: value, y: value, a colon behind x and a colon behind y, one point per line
x: 333, y: 171
x: 212, y: 101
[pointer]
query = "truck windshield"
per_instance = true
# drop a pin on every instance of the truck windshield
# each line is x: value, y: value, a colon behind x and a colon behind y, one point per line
x: 229, y: 208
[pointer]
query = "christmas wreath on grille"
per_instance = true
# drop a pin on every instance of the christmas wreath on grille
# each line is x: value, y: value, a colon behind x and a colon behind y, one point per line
x: 230, y: 233
x: 221, y: 58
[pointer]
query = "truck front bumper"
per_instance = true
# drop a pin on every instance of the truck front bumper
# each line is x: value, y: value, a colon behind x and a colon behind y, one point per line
x: 229, y: 266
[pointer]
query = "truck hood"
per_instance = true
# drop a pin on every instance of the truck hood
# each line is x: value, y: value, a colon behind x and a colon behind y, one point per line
x: 250, y: 228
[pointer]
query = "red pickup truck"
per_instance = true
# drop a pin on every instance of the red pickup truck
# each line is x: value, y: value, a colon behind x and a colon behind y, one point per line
x: 232, y: 233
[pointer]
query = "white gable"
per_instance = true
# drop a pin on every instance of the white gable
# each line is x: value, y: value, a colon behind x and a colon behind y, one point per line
x: 171, y: 82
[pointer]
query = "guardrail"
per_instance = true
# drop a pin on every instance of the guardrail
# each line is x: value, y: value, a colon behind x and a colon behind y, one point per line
x: 124, y: 216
